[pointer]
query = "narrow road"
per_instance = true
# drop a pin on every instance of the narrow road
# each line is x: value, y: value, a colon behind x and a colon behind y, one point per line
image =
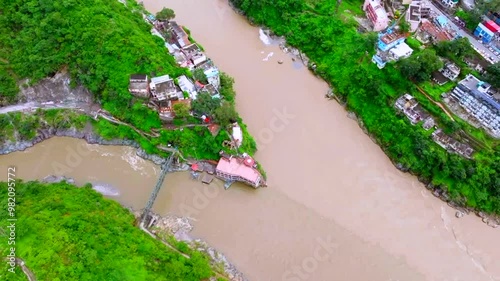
x: 478, y: 46
x: 29, y: 106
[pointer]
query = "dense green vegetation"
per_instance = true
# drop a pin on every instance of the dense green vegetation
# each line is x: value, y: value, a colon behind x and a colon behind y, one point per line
x: 493, y: 74
x: 69, y: 233
x: 19, y: 126
x: 101, y: 43
x: 328, y: 35
x: 420, y: 67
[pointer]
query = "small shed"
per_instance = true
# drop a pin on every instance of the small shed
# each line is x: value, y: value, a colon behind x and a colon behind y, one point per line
x: 207, y: 179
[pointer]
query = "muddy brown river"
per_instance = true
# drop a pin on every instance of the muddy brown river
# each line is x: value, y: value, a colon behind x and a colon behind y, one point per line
x: 335, y: 209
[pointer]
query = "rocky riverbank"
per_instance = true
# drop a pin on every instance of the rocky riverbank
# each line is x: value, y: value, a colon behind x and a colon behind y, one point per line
x: 437, y: 191
x: 179, y: 228
x: 86, y: 134
x: 89, y: 136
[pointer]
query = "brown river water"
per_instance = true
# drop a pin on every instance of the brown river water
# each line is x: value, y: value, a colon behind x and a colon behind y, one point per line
x: 335, y: 209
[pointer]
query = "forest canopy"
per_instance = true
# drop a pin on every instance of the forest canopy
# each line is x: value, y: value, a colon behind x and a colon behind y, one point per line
x: 100, y: 42
x: 69, y: 233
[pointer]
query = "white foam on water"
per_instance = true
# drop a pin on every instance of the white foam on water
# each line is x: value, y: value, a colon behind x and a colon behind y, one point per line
x: 264, y: 38
x: 97, y: 148
x: 462, y: 246
x: 136, y: 162
x: 106, y: 190
x: 268, y: 56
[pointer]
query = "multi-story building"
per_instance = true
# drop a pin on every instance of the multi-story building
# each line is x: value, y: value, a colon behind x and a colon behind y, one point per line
x: 376, y: 13
x: 449, y: 3
x: 139, y: 85
x: 418, y: 10
x: 164, y: 88
x: 473, y: 95
x: 487, y: 30
x: 179, y: 36
x: 451, y: 71
x: 243, y: 169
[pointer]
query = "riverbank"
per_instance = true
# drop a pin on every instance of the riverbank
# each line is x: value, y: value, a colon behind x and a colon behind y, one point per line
x: 490, y: 220
x: 370, y: 100
x: 173, y: 229
x: 104, y: 91
x: 110, y: 242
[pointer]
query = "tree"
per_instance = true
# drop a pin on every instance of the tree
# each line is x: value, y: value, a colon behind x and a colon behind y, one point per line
x: 493, y: 75
x: 205, y: 104
x: 226, y: 90
x: 165, y: 14
x: 410, y: 67
x: 404, y: 25
x: 420, y: 67
x: 458, y: 48
x: 181, y: 110
x: 199, y: 75
x: 226, y: 114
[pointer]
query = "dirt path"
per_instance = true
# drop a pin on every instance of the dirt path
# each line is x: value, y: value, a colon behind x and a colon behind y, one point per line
x: 29, y: 274
x: 435, y: 102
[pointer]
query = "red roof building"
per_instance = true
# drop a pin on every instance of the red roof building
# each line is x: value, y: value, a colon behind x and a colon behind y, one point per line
x: 492, y: 26
x: 195, y: 167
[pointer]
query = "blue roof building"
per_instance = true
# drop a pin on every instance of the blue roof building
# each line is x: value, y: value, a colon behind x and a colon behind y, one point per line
x: 389, y: 40
x: 483, y: 33
x: 442, y: 21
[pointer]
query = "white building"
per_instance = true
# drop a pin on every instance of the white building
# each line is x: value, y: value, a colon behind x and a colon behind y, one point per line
x: 401, y: 51
x: 472, y: 95
x: 213, y: 77
x: 164, y: 88
x: 451, y: 71
x: 237, y: 135
x: 418, y: 10
x: 449, y: 3
x: 187, y: 85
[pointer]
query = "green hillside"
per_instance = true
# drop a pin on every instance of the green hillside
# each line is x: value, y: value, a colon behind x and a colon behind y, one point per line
x: 328, y: 34
x: 69, y: 233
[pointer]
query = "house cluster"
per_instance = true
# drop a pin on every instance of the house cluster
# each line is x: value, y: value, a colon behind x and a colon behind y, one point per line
x: 410, y: 107
x: 413, y: 111
x: 435, y: 29
x: 165, y: 91
x: 418, y: 10
x: 391, y: 46
x: 476, y: 97
x: 487, y: 31
x: 449, y: 72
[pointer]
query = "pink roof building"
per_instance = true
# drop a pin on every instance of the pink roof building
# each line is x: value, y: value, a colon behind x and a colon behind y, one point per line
x: 238, y: 169
x: 376, y: 13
